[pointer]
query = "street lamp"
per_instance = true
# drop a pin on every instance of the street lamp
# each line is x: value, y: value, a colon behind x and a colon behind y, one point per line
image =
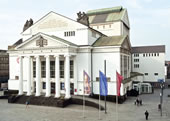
x: 161, y: 97
x: 161, y: 103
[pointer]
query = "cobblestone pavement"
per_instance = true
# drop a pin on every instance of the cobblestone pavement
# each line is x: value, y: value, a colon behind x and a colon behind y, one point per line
x: 126, y: 111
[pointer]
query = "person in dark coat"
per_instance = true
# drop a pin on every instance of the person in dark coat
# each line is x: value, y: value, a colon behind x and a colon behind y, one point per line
x: 137, y: 101
x: 146, y: 114
x: 27, y: 104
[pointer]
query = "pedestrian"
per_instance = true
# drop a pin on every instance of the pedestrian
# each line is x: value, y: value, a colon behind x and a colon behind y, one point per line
x: 146, y: 114
x: 27, y: 104
x: 140, y: 101
x: 137, y: 101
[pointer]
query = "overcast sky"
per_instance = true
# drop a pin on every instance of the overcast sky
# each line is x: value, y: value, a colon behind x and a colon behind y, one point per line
x: 149, y: 19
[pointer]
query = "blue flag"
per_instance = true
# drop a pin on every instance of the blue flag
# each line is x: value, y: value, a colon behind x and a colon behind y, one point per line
x: 103, y: 84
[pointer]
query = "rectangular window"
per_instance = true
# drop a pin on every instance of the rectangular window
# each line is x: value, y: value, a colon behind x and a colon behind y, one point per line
x: 156, y: 74
x: 34, y: 69
x: 43, y: 69
x: 125, y: 67
x: 16, y: 77
x: 157, y: 54
x: 62, y: 86
x: 128, y: 63
x: 73, y: 33
x: 71, y: 69
x: 52, y: 69
x: 44, y: 85
x: 136, y: 55
x: 61, y: 69
x: 121, y: 62
x: 136, y: 65
x: 136, y: 60
x: 146, y: 74
x: 69, y: 33
x: 143, y: 55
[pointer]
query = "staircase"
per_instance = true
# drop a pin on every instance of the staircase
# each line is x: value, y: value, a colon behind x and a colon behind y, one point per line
x: 51, y: 101
x: 40, y: 100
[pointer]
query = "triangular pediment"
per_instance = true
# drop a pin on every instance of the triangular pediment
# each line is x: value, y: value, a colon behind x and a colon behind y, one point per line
x: 41, y: 40
x: 126, y: 44
x: 53, y: 22
x: 126, y: 19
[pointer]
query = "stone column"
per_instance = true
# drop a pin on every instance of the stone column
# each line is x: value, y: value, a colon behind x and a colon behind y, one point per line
x: 38, y: 76
x: 29, y: 76
x: 32, y: 78
x: 21, y: 75
x: 67, y: 76
x: 48, y: 83
x: 123, y: 66
x: 57, y: 76
x: 75, y: 75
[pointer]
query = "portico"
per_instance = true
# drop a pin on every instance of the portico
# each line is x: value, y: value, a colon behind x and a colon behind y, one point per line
x: 38, y: 78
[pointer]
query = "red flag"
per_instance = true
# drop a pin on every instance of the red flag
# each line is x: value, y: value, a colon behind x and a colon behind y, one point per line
x: 119, y: 79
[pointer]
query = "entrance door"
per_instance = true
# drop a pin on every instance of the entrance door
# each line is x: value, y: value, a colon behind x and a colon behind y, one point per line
x: 53, y: 88
x: 34, y: 87
x: 72, y: 88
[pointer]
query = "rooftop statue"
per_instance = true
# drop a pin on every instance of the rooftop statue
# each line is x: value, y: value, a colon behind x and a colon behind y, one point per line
x: 28, y: 24
x: 83, y: 18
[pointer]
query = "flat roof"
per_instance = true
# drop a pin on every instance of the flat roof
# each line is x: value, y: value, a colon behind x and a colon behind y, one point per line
x: 149, y: 49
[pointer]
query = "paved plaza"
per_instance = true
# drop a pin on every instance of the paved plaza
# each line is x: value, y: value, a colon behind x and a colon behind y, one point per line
x: 127, y: 111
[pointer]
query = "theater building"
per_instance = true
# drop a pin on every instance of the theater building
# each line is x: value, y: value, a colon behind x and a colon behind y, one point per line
x: 55, y: 50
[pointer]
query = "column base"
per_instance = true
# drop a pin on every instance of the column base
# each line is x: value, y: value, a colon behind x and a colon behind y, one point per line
x: 28, y: 94
x: 47, y: 95
x: 37, y: 95
x: 57, y: 96
x: 20, y: 93
x: 68, y: 97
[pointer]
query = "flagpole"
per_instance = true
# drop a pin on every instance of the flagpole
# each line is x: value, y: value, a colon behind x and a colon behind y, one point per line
x: 99, y: 98
x: 116, y: 102
x: 106, y: 77
x: 117, y: 116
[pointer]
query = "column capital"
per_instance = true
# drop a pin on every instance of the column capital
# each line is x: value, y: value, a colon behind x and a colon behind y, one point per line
x: 36, y: 56
x: 28, y: 56
x: 57, y: 55
x: 67, y: 55
x: 47, y: 56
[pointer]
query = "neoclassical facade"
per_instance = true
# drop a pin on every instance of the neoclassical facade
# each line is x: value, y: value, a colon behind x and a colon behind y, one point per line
x: 54, y: 51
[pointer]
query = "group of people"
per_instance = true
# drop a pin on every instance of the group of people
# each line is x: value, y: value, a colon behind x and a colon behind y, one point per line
x: 138, y: 102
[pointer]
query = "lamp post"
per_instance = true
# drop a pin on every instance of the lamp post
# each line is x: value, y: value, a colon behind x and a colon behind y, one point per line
x: 161, y: 104
x: 161, y: 97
